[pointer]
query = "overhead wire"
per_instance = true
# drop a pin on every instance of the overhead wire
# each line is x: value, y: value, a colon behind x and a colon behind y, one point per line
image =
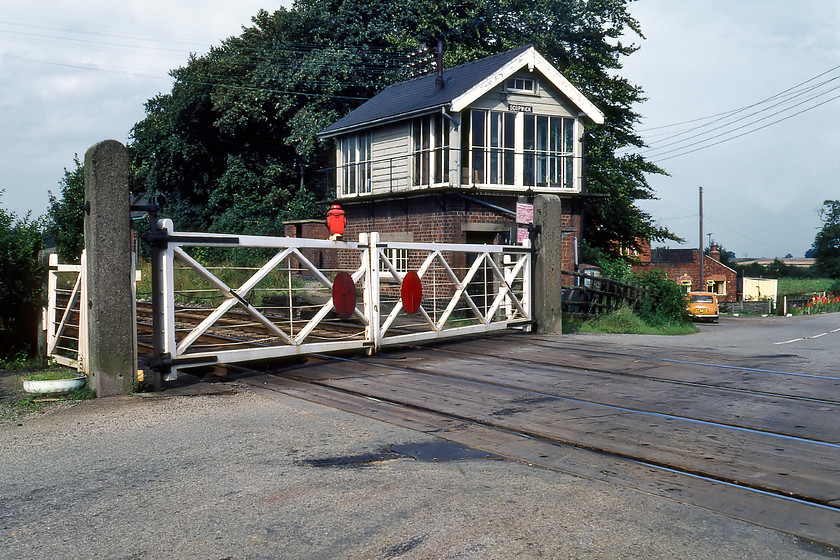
x: 730, y: 123
x: 749, y: 131
x: 692, y: 139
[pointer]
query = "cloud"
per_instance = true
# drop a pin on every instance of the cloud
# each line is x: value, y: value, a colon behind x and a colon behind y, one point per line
x: 74, y: 74
x: 702, y: 58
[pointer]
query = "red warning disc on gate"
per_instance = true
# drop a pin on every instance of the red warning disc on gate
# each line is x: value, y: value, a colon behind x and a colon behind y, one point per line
x: 411, y: 292
x: 344, y: 295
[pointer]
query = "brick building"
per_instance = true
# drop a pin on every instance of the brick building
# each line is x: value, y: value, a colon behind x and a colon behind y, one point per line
x: 683, y: 267
x: 445, y: 158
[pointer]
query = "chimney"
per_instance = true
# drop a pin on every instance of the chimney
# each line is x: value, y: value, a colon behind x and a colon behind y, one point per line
x: 714, y: 252
x: 439, y: 78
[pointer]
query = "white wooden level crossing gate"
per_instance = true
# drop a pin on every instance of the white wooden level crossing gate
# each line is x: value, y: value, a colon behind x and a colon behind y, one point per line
x: 315, y: 296
x: 65, y: 319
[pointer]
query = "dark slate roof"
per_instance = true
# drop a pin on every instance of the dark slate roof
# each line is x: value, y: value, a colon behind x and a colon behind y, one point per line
x: 673, y: 255
x: 418, y: 96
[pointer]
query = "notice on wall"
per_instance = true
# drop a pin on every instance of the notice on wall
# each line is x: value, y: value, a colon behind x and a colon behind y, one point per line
x: 524, y: 213
x: 521, y: 234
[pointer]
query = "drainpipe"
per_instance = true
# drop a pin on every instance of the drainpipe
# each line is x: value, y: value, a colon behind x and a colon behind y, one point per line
x: 457, y: 159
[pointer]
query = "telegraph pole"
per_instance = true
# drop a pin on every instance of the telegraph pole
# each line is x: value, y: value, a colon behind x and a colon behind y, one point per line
x: 702, y: 279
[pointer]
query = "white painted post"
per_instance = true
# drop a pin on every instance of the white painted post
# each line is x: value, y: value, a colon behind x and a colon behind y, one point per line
x: 527, y: 283
x: 84, y: 348
x: 52, y: 285
x: 373, y: 295
x: 167, y: 298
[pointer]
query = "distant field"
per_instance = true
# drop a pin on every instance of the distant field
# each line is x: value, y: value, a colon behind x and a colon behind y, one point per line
x: 803, y: 286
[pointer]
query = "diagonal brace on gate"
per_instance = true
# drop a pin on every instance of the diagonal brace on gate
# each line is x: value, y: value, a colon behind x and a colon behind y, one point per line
x: 232, y: 296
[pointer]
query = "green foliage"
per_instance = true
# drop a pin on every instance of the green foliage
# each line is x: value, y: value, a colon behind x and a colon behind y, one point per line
x: 798, y: 287
x: 14, y: 362
x: 65, y: 217
x: 616, y: 269
x: 625, y: 320
x: 827, y: 241
x: 776, y: 269
x: 17, y: 409
x: 53, y: 374
x: 35, y: 405
x: 20, y: 283
x: 234, y: 145
x: 665, y: 303
x: 620, y: 321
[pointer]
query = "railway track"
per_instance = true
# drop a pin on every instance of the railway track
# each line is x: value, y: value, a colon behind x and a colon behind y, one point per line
x: 620, y: 424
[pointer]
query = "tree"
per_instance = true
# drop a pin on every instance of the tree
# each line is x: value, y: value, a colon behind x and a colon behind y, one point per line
x: 234, y: 146
x: 827, y: 241
x: 20, y: 283
x: 65, y: 217
x: 236, y: 140
x: 582, y: 40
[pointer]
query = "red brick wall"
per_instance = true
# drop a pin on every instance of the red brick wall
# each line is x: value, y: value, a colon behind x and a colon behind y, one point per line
x: 712, y: 270
x: 435, y: 218
x: 313, y: 229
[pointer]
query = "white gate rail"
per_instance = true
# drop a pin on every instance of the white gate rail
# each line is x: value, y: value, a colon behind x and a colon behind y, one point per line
x: 65, y: 319
x: 466, y: 289
x: 296, y: 303
x: 277, y: 309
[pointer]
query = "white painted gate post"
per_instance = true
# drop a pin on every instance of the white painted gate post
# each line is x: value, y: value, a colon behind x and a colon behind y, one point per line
x: 373, y: 300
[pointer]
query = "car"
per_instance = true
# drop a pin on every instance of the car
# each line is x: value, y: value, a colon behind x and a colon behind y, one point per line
x: 702, y: 306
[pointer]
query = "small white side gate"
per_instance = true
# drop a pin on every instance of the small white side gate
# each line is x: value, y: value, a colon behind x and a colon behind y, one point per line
x: 64, y: 318
x: 316, y: 296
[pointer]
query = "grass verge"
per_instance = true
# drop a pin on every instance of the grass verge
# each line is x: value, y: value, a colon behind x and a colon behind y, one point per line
x: 18, y: 409
x: 793, y: 287
x: 14, y: 405
x: 624, y: 321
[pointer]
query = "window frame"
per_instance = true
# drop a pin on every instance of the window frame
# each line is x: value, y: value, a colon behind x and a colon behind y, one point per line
x: 513, y: 85
x: 429, y: 150
x: 355, y: 165
x: 548, y: 152
x: 514, y: 149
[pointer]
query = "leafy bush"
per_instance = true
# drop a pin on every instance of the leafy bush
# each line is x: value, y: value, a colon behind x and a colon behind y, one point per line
x: 20, y: 283
x: 616, y: 269
x: 665, y: 302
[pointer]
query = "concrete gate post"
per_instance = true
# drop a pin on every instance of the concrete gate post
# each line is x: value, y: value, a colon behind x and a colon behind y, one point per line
x: 548, y: 290
x: 112, y: 333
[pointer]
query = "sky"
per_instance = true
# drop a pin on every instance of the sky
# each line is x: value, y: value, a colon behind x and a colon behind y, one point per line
x: 73, y: 74
x: 762, y: 187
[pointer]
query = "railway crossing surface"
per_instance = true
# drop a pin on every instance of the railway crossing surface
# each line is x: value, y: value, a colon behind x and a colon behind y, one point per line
x: 512, y: 446
x: 753, y: 440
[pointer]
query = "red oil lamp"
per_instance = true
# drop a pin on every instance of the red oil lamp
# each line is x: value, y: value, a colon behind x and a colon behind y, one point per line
x: 336, y: 222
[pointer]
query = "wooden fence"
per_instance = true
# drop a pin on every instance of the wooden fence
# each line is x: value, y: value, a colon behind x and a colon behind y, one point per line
x: 588, y: 294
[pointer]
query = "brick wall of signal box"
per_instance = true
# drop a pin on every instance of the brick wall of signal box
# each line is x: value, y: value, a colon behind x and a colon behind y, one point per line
x: 431, y: 219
